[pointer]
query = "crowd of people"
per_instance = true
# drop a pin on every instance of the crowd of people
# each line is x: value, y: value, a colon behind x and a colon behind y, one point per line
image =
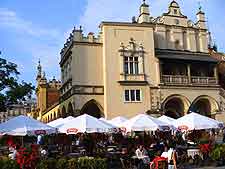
x: 143, y: 147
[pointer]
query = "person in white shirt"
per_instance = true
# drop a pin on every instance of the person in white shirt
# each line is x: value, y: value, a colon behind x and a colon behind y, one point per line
x: 142, y: 156
x: 44, y: 152
x: 13, y: 153
x: 39, y: 139
x: 172, y: 164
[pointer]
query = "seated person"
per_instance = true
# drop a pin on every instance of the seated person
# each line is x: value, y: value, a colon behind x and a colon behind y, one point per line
x: 44, y: 152
x: 142, y: 156
x: 13, y: 152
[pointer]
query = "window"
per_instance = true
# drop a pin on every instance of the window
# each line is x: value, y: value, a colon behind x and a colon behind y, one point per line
x: 177, y: 22
x: 177, y: 44
x: 131, y: 65
x: 175, y: 11
x: 127, y: 95
x: 132, y: 95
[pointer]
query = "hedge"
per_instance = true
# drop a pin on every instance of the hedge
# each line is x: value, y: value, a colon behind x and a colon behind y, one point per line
x: 62, y: 163
x: 74, y: 163
x: 6, y: 163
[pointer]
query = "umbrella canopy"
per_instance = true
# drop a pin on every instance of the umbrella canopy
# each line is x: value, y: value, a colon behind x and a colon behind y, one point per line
x: 103, y: 119
x: 85, y: 123
x: 69, y: 118
x: 118, y: 121
x: 56, y: 122
x: 23, y: 125
x: 62, y: 121
x: 167, y: 119
x: 194, y: 121
x: 143, y: 122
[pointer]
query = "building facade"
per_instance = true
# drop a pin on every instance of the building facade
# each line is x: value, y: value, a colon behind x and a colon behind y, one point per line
x: 14, y: 110
x: 47, y: 94
x: 151, y: 65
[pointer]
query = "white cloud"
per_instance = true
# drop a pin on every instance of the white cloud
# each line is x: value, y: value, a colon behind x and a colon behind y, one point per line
x: 36, y: 41
x: 9, y: 19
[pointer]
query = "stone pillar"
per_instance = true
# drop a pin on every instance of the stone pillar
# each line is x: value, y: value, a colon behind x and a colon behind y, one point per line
x: 189, y: 73
x: 141, y: 65
x: 188, y: 41
x: 184, y: 40
x: 216, y: 74
x: 160, y: 72
x: 172, y: 40
x: 197, y: 40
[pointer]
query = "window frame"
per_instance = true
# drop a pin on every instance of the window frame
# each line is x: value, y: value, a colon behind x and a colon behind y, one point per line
x: 131, y: 65
x: 130, y: 100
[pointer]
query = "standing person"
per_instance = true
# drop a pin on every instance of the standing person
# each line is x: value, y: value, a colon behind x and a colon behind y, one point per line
x: 172, y: 159
x: 142, y: 155
x: 39, y: 139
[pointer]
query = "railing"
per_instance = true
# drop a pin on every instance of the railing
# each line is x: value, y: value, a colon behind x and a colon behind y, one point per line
x: 203, y: 80
x: 196, y: 80
x: 132, y: 77
x: 178, y: 79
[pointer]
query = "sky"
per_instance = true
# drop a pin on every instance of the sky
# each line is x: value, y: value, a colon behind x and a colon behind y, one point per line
x: 31, y: 30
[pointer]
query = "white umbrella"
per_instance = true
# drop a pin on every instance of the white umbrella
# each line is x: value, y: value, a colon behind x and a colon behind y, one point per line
x: 167, y: 119
x: 63, y: 121
x: 143, y: 122
x: 194, y: 121
x: 56, y: 122
x: 23, y: 125
x: 103, y: 119
x: 85, y: 123
x: 69, y: 118
x: 118, y: 121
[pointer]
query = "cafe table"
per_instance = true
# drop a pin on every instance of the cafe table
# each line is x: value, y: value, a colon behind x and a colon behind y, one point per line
x: 193, y: 152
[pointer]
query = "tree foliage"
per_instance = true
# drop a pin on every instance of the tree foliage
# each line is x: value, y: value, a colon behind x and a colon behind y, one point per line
x: 11, y: 90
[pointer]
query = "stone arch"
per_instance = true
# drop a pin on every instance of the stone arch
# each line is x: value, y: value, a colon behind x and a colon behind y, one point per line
x: 51, y: 117
x: 175, y: 106
x: 204, y: 105
x: 70, y: 109
x: 55, y: 115
x: 63, y: 112
x: 59, y: 114
x: 93, y: 108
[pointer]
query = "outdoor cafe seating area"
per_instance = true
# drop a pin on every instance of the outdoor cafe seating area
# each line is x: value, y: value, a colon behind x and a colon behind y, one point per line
x: 116, y: 142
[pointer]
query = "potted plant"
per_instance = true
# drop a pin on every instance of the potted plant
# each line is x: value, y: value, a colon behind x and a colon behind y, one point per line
x: 218, y: 154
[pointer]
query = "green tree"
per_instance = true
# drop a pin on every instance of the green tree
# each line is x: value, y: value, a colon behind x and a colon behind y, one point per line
x: 11, y: 90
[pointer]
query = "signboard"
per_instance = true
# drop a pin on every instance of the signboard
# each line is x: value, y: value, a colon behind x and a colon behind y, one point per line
x: 72, y: 131
x: 183, y: 127
x: 39, y: 132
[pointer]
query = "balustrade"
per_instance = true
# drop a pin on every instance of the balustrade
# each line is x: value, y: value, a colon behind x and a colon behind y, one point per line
x: 182, y: 79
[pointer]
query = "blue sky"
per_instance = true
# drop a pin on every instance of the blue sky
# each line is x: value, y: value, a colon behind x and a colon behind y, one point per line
x: 31, y: 29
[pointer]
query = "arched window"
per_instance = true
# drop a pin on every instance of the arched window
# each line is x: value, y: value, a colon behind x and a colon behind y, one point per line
x: 55, y: 115
x: 177, y: 44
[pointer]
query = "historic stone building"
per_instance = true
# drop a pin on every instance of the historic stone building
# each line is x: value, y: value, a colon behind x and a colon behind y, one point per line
x: 14, y: 110
x: 156, y: 65
x: 47, y: 94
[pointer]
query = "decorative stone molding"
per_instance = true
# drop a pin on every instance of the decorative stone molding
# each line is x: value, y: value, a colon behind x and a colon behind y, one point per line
x: 129, y: 51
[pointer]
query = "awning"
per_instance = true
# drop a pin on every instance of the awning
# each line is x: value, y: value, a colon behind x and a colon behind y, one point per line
x: 184, y: 55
